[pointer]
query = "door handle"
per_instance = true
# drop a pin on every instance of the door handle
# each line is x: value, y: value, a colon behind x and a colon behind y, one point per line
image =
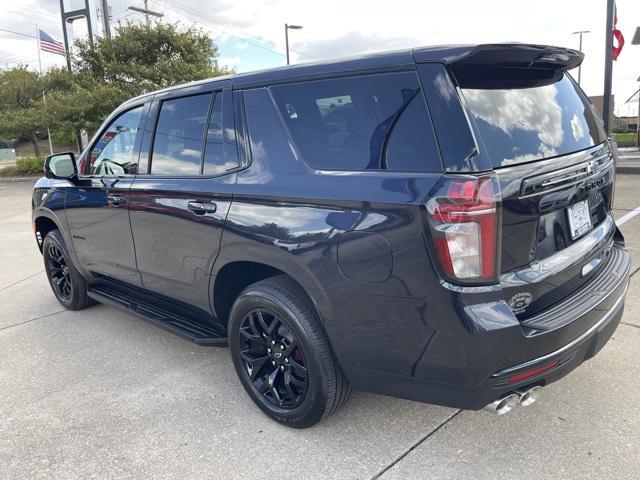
x: 201, y: 208
x: 116, y: 200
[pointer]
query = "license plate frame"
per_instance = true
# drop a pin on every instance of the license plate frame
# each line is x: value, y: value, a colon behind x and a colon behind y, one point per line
x: 579, y: 218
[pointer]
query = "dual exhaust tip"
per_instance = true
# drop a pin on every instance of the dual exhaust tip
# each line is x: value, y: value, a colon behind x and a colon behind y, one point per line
x: 523, y: 397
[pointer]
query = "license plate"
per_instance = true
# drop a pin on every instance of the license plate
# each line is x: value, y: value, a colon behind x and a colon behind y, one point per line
x: 579, y: 219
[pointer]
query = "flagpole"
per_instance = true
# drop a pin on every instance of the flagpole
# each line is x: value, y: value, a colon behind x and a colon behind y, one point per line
x: 44, y: 99
x: 608, y: 67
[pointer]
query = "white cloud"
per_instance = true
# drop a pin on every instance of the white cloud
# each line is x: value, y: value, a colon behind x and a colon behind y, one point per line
x: 228, y: 61
x: 334, y: 28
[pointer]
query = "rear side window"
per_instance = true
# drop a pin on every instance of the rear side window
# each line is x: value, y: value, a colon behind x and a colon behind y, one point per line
x: 368, y: 122
x: 522, y: 122
x: 179, y: 136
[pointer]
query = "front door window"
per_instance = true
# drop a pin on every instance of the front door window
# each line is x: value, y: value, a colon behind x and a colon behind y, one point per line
x: 115, y: 153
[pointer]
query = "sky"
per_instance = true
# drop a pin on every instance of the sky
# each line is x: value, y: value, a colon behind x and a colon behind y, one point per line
x: 250, y: 34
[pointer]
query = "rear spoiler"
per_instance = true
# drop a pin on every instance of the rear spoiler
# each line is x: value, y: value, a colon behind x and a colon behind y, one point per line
x: 501, y: 55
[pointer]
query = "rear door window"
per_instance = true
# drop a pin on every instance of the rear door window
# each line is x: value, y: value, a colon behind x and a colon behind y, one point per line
x: 525, y: 123
x: 368, y: 122
x: 179, y: 135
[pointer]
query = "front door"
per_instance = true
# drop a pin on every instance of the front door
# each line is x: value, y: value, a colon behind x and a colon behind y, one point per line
x: 98, y: 209
x: 178, y: 208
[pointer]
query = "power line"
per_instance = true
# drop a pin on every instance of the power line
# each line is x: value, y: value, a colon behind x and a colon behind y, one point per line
x: 41, y: 19
x: 200, y: 15
x: 10, y: 58
x: 39, y: 12
x: 23, y: 60
x: 17, y: 33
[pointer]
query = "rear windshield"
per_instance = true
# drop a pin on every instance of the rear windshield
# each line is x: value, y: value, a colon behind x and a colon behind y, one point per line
x: 520, y: 125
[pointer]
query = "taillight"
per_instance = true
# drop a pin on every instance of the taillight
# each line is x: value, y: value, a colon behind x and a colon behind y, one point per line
x: 463, y: 216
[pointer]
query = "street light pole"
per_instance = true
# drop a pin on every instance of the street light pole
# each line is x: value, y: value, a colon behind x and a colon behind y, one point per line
x: 608, y: 68
x: 581, y: 32
x: 636, y: 41
x: 286, y: 36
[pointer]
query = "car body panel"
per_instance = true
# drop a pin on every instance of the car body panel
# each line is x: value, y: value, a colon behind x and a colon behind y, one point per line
x: 358, y: 242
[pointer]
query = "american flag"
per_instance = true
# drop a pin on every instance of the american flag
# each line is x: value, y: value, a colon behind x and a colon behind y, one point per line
x: 49, y: 44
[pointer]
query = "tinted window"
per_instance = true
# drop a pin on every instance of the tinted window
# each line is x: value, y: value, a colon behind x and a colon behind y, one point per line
x: 525, y: 124
x: 408, y: 146
x: 358, y: 123
x: 220, y: 152
x: 177, y: 146
x: 115, y: 153
x: 450, y: 123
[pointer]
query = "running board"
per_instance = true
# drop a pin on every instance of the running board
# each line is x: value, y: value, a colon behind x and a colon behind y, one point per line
x: 197, y: 331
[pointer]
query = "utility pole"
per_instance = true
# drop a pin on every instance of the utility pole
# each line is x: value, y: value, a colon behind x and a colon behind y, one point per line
x: 105, y: 19
x: 147, y: 12
x: 69, y: 16
x: 608, y: 67
x: 580, y: 48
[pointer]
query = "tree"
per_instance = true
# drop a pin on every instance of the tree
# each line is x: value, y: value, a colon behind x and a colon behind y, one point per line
x: 23, y: 112
x: 138, y: 58
x: 141, y: 58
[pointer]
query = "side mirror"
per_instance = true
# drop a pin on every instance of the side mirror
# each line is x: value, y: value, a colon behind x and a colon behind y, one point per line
x: 61, y: 165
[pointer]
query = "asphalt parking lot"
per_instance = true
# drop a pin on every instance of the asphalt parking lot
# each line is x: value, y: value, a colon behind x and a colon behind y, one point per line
x: 102, y: 394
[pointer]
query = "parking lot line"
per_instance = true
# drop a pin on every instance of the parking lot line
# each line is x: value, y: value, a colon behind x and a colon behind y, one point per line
x: 628, y: 216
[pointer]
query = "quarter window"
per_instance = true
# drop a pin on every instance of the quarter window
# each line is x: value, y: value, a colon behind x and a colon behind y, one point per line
x: 179, y: 136
x: 115, y: 153
x: 369, y: 122
x: 221, y: 154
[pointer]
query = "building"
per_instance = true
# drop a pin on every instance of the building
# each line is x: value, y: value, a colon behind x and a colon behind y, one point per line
x: 626, y: 124
x: 598, y: 103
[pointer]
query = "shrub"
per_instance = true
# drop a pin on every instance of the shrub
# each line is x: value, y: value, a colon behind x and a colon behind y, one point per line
x: 30, y: 165
x: 24, y: 166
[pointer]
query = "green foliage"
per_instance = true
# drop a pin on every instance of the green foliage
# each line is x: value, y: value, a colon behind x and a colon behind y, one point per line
x: 625, y: 138
x: 141, y: 58
x: 21, y: 104
x: 63, y: 137
x: 24, y: 166
x: 137, y: 59
x: 30, y: 165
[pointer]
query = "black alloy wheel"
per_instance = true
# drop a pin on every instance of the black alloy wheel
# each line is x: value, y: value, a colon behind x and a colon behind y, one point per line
x: 273, y: 359
x: 282, y: 355
x: 59, y: 272
x: 69, y: 287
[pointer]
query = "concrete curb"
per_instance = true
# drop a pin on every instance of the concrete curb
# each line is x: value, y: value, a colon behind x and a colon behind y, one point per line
x: 628, y: 170
x: 18, y: 179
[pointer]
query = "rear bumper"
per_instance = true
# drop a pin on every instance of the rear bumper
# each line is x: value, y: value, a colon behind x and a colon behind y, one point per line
x: 471, y: 369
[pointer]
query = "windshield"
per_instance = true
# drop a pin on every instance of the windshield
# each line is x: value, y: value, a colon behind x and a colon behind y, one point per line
x: 520, y: 125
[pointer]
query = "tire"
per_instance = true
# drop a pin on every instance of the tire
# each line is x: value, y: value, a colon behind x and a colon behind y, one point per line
x: 58, y: 264
x: 302, y: 345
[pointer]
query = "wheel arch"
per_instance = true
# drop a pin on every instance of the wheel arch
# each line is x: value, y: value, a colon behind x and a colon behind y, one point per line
x: 234, y: 276
x: 43, y: 224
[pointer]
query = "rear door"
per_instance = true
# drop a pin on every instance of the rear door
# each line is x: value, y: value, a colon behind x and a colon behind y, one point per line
x: 180, y: 203
x: 535, y: 129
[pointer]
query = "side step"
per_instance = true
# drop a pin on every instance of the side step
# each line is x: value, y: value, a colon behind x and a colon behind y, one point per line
x: 193, y: 329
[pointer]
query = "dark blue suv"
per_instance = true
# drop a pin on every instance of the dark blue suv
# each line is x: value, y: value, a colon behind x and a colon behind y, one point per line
x: 432, y: 224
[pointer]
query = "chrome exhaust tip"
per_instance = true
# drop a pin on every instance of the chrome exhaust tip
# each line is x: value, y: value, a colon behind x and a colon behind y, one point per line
x: 504, y: 404
x: 528, y: 396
